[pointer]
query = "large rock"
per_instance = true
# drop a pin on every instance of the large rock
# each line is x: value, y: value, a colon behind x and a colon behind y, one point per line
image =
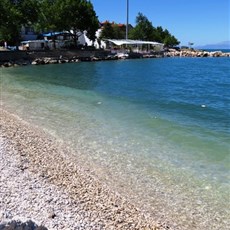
x: 194, y: 53
x: 18, y: 225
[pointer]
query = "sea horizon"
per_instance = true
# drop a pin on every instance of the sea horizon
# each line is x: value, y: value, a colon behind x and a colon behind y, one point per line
x: 227, y: 50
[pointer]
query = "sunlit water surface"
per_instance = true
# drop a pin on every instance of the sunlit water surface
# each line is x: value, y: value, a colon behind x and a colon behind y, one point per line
x: 156, y: 130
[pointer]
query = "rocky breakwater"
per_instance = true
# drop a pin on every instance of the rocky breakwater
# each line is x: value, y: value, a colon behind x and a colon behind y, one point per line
x: 41, y: 180
x: 194, y: 53
x: 59, y: 60
x: 16, y: 63
x: 41, y: 57
x: 47, y: 60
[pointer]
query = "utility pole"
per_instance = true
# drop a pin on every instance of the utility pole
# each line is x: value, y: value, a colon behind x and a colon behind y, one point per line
x: 127, y: 20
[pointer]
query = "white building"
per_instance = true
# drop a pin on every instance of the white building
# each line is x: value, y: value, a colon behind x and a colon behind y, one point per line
x: 98, y: 44
x: 41, y: 44
x: 28, y: 33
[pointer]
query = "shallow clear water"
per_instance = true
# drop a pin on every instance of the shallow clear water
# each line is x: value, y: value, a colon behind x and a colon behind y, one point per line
x: 156, y: 129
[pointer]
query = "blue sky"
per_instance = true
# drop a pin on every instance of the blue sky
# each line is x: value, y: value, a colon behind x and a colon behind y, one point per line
x: 199, y: 21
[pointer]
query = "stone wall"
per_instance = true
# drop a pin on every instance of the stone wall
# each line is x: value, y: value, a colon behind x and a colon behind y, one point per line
x: 6, y: 56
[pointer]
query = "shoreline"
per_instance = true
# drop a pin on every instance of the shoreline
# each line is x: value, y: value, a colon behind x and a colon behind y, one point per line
x: 43, y: 181
x: 23, y: 58
x: 166, y: 202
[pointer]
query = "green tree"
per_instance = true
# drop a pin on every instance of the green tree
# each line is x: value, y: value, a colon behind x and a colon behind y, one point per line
x: 76, y: 16
x: 158, y: 33
x: 108, y: 31
x: 113, y: 31
x: 8, y: 30
x: 168, y: 39
x: 15, y: 14
x: 29, y: 11
x: 119, y: 31
x: 47, y: 20
x: 171, y: 41
x: 143, y: 29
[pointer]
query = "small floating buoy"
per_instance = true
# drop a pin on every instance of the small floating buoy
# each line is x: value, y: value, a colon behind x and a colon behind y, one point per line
x: 203, y: 106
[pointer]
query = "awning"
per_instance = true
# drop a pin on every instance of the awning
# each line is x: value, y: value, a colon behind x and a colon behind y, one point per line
x: 133, y: 42
x: 33, y: 41
x: 53, y: 34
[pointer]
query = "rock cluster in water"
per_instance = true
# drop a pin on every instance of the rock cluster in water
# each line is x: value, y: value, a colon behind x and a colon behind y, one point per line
x: 194, y: 53
x: 56, y: 60
x: 18, y: 225
x: 44, y: 61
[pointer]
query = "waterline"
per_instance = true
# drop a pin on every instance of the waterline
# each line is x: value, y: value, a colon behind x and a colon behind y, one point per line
x: 148, y: 138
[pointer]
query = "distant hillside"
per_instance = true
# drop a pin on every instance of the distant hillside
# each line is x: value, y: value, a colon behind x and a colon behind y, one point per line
x: 221, y: 45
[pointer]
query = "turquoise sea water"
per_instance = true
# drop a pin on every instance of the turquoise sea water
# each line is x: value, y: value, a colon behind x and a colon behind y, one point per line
x: 157, y: 130
x: 222, y: 50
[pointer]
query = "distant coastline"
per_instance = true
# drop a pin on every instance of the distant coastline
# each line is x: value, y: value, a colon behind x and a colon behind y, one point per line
x: 225, y: 45
x: 214, y: 50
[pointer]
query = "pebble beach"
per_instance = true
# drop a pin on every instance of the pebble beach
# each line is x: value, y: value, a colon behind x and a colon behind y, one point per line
x: 42, y: 181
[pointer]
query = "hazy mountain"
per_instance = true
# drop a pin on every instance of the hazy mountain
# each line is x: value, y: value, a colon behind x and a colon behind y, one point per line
x: 221, y: 45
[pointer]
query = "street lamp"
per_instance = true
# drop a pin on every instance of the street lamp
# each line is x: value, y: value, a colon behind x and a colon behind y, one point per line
x: 127, y: 20
x: 190, y: 44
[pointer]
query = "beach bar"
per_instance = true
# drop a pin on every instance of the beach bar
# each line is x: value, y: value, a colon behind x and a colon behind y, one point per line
x: 137, y: 46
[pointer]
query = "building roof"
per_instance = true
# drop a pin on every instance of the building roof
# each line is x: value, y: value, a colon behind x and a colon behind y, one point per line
x: 53, y: 34
x: 33, y: 41
x: 120, y: 42
x: 113, y: 24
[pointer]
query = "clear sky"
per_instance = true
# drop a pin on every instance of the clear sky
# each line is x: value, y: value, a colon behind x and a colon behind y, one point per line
x: 199, y: 21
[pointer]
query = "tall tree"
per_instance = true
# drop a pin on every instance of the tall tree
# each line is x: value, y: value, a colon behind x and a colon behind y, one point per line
x: 143, y: 29
x: 77, y: 16
x: 47, y: 17
x: 15, y: 14
x: 119, y: 31
x: 171, y: 41
x: 113, y: 31
x: 8, y: 30
x: 107, y: 31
